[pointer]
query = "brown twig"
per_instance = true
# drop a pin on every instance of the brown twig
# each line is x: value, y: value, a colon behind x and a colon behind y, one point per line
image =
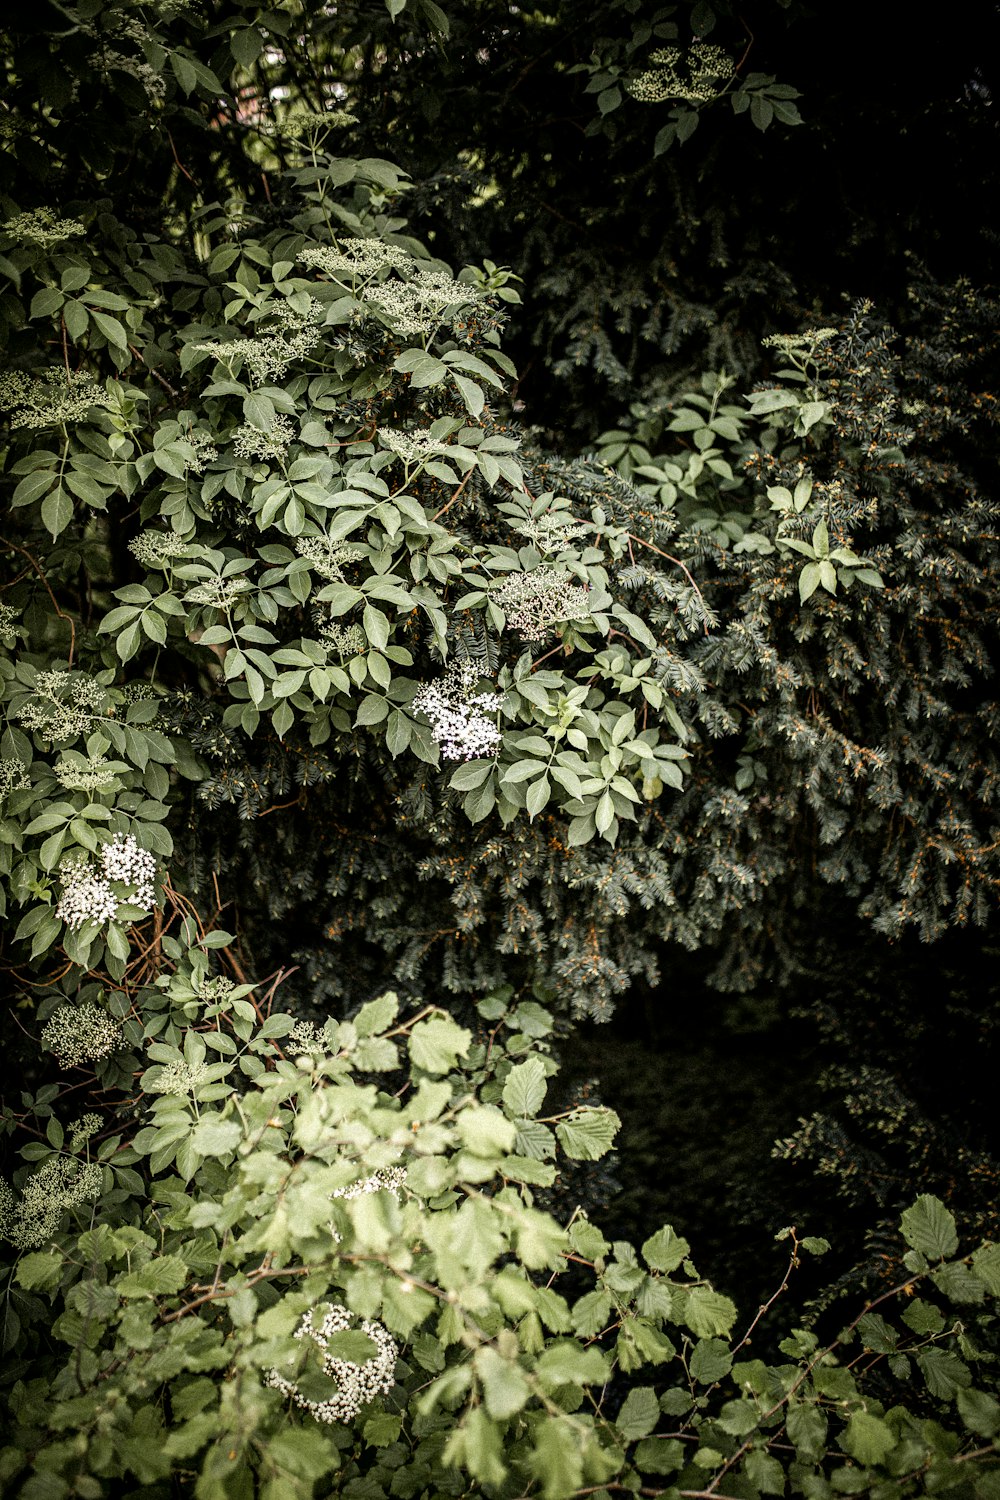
x: 38, y: 569
x: 677, y: 562
x: 448, y: 504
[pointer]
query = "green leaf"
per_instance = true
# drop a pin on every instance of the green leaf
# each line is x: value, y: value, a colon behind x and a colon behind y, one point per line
x: 867, y: 1438
x: 710, y: 1360
x: 215, y: 1137
x: 525, y: 1088
x: 708, y: 1313
x: 39, y: 1271
x: 157, y: 1278
x: 505, y: 1390
x: 485, y: 1131
x: 588, y: 1134
x: 930, y: 1228
x: 437, y: 1044
x: 665, y: 1250
x: 57, y: 512
x: 809, y: 581
x: 377, y: 1016
x: 639, y: 1414
x: 979, y: 1412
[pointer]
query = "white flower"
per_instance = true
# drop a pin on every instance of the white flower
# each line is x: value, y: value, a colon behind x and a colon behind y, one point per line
x: 353, y: 1385
x: 81, y: 1033
x: 535, y: 602
x: 458, y: 715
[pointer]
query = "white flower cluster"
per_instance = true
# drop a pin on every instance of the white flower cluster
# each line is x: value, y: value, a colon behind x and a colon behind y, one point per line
x: 215, y: 989
x: 13, y: 777
x: 268, y: 355
x: 87, y: 895
x: 87, y: 773
x: 708, y: 69
x: 59, y: 1183
x: 81, y: 1033
x: 804, y: 345
x: 346, y: 640
x: 56, y: 400
x: 82, y: 1129
x: 551, y: 532
x: 420, y: 305
x: 314, y: 124
x: 327, y: 557
x: 356, y: 1384
x: 458, y: 715
x: 56, y: 717
x: 535, y: 602
x: 412, y: 447
x: 41, y: 227
x: 8, y: 619
x: 154, y: 549
x: 270, y: 446
x: 359, y: 258
x: 178, y: 1078
x: 388, y: 1179
x: 153, y: 82
x: 220, y: 593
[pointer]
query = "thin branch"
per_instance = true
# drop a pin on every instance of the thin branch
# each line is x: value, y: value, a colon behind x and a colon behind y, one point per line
x: 677, y: 562
x: 38, y: 569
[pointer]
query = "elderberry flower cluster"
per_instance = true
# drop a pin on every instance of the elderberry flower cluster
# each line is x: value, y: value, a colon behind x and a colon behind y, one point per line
x: 328, y: 557
x: 359, y: 258
x: 41, y: 227
x: 268, y: 355
x: 86, y: 773
x: 81, y: 1033
x: 220, y: 593
x: 177, y: 1078
x: 458, y: 715
x: 13, y: 777
x: 60, y: 1183
x: 57, y: 399
x: 535, y: 602
x: 87, y: 894
x: 107, y: 58
x: 420, y: 305
x: 551, y: 532
x: 346, y: 640
x: 269, y: 446
x: 155, y: 549
x: 8, y: 619
x: 61, y: 705
x: 314, y: 124
x: 411, y: 447
x: 83, y: 1129
x: 215, y: 989
x: 387, y: 1179
x: 707, y: 70
x: 355, y: 1384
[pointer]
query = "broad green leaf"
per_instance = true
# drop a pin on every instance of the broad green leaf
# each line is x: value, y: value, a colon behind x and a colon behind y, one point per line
x: 867, y: 1438
x: 708, y: 1313
x: 437, y: 1044
x: 525, y: 1088
x: 588, y: 1134
x: 665, y: 1250
x: 930, y: 1228
x: 639, y: 1414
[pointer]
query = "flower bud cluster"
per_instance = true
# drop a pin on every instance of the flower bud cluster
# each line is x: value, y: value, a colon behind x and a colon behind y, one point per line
x: 346, y: 640
x: 13, y: 777
x: 356, y: 1384
x: 357, y: 257
x: 60, y: 1183
x: 412, y: 447
x: 41, y: 227
x: 327, y: 557
x: 389, y: 1179
x: 458, y: 715
x: 62, y: 705
x: 81, y: 1130
x: 154, y: 549
x: 81, y: 1033
x: 535, y: 602
x: 708, y: 68
x: 270, y: 446
x: 87, y: 773
x: 268, y: 355
x: 57, y: 400
x: 220, y: 593
x: 177, y: 1078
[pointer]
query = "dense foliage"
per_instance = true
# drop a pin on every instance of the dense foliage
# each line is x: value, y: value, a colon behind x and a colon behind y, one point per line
x: 463, y: 728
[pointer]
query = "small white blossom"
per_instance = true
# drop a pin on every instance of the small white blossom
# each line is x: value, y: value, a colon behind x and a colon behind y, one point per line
x: 81, y: 1033
x: 86, y: 895
x: 220, y: 593
x: 535, y: 602
x: 177, y: 1078
x: 328, y: 557
x: 41, y: 227
x: 60, y: 1183
x: 13, y: 777
x: 58, y: 399
x: 387, y: 1179
x: 353, y: 1385
x: 125, y: 862
x: 357, y: 257
x: 458, y: 715
x: 154, y: 549
x: 708, y: 69
x: 270, y: 446
x: 88, y: 773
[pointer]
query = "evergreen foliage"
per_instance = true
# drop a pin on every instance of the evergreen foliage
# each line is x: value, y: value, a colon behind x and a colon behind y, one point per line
x: 303, y: 632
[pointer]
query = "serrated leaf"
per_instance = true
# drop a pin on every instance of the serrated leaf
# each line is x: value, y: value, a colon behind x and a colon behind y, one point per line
x: 930, y: 1228
x: 867, y: 1438
x: 437, y: 1044
x: 525, y: 1089
x: 708, y: 1313
x: 665, y: 1250
x: 588, y: 1134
